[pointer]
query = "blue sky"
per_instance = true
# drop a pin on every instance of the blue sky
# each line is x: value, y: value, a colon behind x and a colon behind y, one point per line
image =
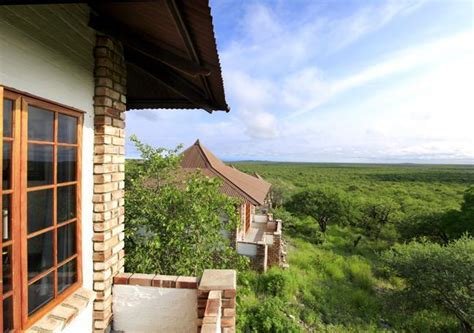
x: 334, y: 81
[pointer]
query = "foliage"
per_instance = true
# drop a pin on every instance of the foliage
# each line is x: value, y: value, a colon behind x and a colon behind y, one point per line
x: 175, y: 220
x: 304, y: 227
x: 441, y: 226
x: 280, y: 193
x: 332, y: 286
x: 375, y: 218
x: 269, y: 316
x: 324, y: 204
x: 262, y: 303
x: 437, y: 276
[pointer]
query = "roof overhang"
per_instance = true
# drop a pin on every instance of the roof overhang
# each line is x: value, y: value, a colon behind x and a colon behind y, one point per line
x: 170, y: 50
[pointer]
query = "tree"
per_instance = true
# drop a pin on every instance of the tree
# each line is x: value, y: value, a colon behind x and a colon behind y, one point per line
x: 441, y: 226
x: 323, y: 204
x: 175, y: 219
x: 375, y: 215
x: 436, y: 276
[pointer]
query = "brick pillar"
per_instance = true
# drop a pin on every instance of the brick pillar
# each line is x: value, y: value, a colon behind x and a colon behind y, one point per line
x: 109, y: 174
x: 217, y: 289
x: 261, y: 259
x: 275, y: 249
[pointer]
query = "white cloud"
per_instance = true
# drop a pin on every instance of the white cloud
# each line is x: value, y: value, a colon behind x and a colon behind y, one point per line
x: 366, y: 20
x: 267, y: 72
x: 415, y: 58
x: 412, y: 105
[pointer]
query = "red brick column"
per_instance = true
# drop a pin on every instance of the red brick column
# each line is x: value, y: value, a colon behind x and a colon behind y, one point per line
x: 217, y: 301
x: 109, y: 174
x: 261, y: 259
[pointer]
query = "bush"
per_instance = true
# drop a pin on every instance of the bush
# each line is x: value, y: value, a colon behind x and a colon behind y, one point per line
x: 174, y: 220
x: 437, y: 277
x: 268, y: 316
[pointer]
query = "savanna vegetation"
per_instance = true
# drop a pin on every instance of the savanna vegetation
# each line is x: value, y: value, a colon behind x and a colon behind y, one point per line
x: 174, y: 219
x: 372, y: 248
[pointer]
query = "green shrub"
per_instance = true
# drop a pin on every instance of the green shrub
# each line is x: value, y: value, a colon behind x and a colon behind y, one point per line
x: 269, y: 316
x: 273, y: 283
x: 437, y: 277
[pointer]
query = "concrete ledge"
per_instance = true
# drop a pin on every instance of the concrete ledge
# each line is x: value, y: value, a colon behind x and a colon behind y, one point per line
x: 65, y: 312
x: 218, y: 279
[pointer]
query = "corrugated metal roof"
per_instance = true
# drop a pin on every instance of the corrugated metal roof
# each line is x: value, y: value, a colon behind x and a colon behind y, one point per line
x: 236, y: 183
x: 180, y: 28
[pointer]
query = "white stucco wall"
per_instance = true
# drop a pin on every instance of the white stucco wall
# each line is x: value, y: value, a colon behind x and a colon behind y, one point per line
x: 139, y: 309
x: 260, y: 218
x: 247, y: 249
x: 50, y: 54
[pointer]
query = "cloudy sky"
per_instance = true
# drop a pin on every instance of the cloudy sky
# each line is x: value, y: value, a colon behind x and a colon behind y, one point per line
x: 335, y: 81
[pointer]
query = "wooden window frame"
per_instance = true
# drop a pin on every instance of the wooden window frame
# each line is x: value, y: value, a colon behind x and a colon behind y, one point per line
x: 19, y: 190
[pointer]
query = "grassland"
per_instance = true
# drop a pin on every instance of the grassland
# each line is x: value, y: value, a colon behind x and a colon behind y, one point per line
x: 332, y: 286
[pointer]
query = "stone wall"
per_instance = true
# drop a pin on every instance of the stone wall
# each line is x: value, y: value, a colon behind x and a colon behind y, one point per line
x: 109, y: 174
x: 275, y: 249
x: 260, y: 262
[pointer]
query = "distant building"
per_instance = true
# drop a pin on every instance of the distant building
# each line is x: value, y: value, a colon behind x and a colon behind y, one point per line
x: 258, y: 235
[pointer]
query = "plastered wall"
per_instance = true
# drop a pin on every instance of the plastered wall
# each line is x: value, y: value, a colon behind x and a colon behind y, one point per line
x: 150, y: 309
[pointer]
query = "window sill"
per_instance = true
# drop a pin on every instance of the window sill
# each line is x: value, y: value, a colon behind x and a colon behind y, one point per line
x: 61, y: 316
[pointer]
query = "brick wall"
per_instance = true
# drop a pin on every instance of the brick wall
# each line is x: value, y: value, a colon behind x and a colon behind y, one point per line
x: 216, y: 300
x: 259, y: 263
x: 275, y: 250
x: 109, y: 174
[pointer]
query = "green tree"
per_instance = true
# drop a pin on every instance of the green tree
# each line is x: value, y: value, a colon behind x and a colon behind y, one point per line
x: 441, y: 226
x: 375, y: 216
x: 175, y: 219
x: 324, y: 204
x: 436, y: 277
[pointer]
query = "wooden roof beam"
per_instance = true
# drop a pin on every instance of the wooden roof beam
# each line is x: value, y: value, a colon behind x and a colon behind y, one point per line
x: 182, y: 27
x: 138, y: 43
x: 169, y: 78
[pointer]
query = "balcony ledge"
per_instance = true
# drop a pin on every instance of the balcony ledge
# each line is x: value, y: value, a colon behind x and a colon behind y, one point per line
x: 64, y: 313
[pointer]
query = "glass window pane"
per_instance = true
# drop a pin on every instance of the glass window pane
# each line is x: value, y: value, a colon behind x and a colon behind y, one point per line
x: 40, y: 254
x: 67, y: 164
x: 67, y: 275
x: 7, y: 268
x: 67, y: 128
x: 7, y: 166
x: 40, y: 210
x: 40, y: 293
x: 66, y: 203
x: 7, y: 117
x: 40, y: 165
x: 8, y: 315
x: 66, y: 241
x: 40, y: 124
x: 6, y: 217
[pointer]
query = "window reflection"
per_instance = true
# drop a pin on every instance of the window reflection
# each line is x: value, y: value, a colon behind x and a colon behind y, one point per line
x: 40, y: 165
x: 40, y: 124
x: 7, y: 117
x: 40, y: 293
x: 67, y: 128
